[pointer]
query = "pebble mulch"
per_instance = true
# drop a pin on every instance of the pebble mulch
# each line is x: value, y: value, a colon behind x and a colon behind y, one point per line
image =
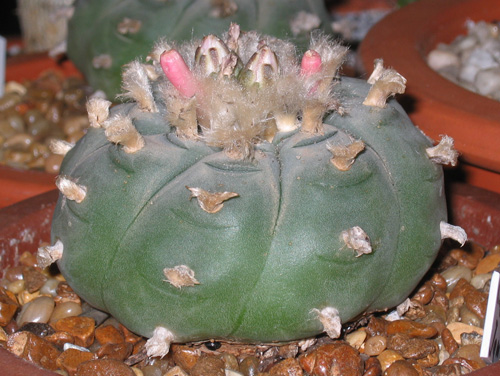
x: 438, y: 331
x: 34, y: 113
x: 473, y: 60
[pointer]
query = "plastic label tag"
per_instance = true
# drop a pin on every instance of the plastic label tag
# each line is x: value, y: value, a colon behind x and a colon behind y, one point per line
x: 490, y: 347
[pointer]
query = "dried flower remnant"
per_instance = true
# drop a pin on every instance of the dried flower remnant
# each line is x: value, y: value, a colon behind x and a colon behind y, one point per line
x: 345, y: 155
x: 120, y: 130
x: 444, y: 152
x: 103, y: 61
x: 211, y: 202
x: 49, y: 254
x: 378, y: 69
x: 70, y: 189
x: 386, y: 83
x: 129, y: 26
x: 159, y: 343
x: 355, y: 238
x: 60, y: 147
x: 98, y: 111
x: 136, y: 86
x: 180, y: 276
x: 453, y: 232
x: 330, y: 319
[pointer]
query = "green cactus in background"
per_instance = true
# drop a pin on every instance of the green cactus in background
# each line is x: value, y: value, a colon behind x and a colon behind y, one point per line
x: 221, y: 203
x: 104, y: 35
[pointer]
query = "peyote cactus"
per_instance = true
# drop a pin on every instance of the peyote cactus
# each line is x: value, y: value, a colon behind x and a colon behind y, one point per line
x: 219, y: 204
x: 123, y: 30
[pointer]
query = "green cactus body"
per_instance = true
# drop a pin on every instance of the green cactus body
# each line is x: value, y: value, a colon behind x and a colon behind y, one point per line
x: 103, y: 35
x: 304, y: 233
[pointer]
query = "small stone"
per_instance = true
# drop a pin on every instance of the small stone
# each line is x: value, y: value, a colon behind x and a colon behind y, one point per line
x: 208, y: 366
x: 230, y: 362
x: 488, y: 264
x: 108, y: 334
x: 475, y: 300
x: 457, y: 328
x: 37, y: 350
x: 470, y: 352
x: 119, y: 351
x: 287, y: 367
x: 337, y: 358
x: 176, y: 371
x: 70, y: 359
x: 66, y: 309
x: 104, y: 367
x: 60, y: 339
x: 411, y: 328
x: 449, y: 342
x: 34, y: 280
x: 185, y: 356
x: 401, y: 368
x: 387, y: 357
x: 356, y: 338
x: 453, y: 274
x: 377, y: 326
x: 372, y: 367
x: 81, y: 328
x: 375, y: 345
x: 37, y: 328
x: 249, y: 366
x: 16, y: 287
x: 8, y: 306
x: 37, y: 310
x: 49, y: 287
x: 412, y: 348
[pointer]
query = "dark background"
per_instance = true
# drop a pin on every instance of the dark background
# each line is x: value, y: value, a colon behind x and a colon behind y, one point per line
x: 9, y: 25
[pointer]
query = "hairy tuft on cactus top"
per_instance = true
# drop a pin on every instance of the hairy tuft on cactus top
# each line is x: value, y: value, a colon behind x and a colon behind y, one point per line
x: 103, y: 35
x: 222, y: 203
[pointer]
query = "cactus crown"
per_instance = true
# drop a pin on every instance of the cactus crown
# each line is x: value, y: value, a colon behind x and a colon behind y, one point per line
x: 239, y: 90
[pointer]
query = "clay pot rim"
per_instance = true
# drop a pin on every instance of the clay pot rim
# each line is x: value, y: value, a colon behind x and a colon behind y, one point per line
x: 404, y: 37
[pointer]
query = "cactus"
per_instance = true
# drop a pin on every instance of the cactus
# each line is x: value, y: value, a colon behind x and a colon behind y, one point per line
x: 247, y: 195
x: 103, y: 35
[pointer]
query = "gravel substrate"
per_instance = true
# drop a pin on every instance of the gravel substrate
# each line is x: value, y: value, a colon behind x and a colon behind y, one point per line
x: 438, y: 331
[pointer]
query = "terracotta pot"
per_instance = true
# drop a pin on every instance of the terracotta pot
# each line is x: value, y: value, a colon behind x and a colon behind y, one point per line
x: 25, y: 225
x: 438, y: 106
x: 15, y: 184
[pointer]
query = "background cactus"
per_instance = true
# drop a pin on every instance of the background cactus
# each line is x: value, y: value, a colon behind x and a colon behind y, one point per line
x: 245, y: 216
x: 103, y: 35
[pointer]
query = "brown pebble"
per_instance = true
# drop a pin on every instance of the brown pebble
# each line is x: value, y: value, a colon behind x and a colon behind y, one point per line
x: 81, y: 328
x: 469, y: 365
x: 27, y: 259
x: 176, y: 371
x: 401, y: 368
x: 28, y: 346
x: 60, y: 338
x: 185, y: 356
x: 208, y: 366
x: 372, y: 367
x: 464, y: 258
x: 411, y: 328
x: 104, y: 367
x: 488, y: 264
x: 108, y: 334
x: 119, y: 351
x: 128, y: 335
x: 448, y: 341
x: 429, y: 361
x: 8, y: 306
x: 475, y: 300
x: 287, y: 367
x: 376, y: 326
x: 458, y: 328
x: 33, y: 279
x: 70, y: 359
x: 439, y: 282
x: 470, y: 352
x: 336, y: 358
x: 249, y: 366
x: 411, y: 348
x: 375, y: 345
x: 424, y: 294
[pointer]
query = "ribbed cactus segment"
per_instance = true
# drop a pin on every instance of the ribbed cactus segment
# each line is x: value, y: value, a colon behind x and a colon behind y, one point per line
x: 104, y: 35
x: 222, y: 225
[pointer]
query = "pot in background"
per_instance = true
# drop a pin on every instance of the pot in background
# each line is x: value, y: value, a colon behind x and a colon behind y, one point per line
x: 436, y: 105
